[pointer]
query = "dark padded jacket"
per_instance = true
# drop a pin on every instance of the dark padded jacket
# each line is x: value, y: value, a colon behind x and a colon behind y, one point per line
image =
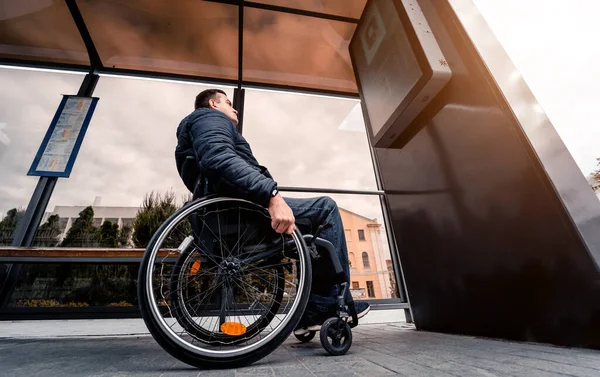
x: 208, y: 144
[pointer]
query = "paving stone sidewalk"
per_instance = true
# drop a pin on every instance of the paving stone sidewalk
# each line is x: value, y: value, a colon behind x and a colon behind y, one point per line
x: 377, y: 350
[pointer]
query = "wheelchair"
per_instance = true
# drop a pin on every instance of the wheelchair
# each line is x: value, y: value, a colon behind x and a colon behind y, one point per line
x: 219, y: 288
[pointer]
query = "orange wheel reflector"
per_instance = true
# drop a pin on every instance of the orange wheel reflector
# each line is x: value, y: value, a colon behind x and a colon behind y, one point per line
x: 195, y: 267
x: 233, y: 328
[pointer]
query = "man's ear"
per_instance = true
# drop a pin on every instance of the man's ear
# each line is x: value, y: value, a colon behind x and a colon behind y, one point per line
x: 211, y: 103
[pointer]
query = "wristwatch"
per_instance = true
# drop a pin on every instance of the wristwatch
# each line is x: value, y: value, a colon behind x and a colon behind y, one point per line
x: 275, y: 192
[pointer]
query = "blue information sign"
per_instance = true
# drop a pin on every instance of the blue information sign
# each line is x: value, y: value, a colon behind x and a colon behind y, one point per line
x: 60, y: 146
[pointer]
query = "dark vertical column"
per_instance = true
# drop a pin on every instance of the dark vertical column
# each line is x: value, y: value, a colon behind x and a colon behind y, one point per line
x: 238, y: 104
x: 238, y: 93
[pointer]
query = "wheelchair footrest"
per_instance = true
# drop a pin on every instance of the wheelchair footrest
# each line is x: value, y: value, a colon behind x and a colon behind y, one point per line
x: 346, y: 309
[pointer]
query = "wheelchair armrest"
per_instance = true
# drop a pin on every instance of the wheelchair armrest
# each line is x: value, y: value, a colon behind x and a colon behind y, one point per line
x: 331, y: 255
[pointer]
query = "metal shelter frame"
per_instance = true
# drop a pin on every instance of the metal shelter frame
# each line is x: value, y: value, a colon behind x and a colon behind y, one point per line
x: 27, y: 227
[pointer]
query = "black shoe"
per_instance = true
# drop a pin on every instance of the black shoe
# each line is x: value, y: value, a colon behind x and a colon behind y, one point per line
x: 316, y: 314
x: 362, y: 309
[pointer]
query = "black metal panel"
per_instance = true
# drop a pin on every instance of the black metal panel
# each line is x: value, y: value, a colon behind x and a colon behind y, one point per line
x: 486, y: 245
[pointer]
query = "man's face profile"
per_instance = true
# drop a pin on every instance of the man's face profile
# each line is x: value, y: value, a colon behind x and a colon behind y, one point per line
x: 223, y: 104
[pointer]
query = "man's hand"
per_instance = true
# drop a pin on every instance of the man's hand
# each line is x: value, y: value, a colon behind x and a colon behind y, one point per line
x: 282, y: 218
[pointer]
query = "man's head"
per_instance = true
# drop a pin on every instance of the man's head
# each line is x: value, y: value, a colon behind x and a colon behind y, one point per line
x: 217, y: 99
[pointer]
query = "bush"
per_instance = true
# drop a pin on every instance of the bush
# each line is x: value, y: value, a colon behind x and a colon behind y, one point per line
x: 44, y: 303
x: 120, y: 304
x: 155, y: 210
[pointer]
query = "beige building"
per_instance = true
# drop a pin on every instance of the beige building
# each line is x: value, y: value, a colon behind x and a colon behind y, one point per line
x: 368, y: 257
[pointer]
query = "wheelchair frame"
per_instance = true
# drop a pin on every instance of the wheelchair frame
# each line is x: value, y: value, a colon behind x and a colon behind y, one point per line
x: 336, y: 335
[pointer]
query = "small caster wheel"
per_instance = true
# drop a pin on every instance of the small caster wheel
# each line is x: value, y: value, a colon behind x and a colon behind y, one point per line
x: 306, y: 337
x: 336, y: 336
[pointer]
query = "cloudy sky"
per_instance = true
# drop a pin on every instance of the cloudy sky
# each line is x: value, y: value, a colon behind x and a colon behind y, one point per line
x: 304, y: 140
x: 128, y: 151
x: 554, y: 44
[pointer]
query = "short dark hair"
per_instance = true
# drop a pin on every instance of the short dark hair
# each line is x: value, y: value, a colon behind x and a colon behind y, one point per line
x: 205, y: 96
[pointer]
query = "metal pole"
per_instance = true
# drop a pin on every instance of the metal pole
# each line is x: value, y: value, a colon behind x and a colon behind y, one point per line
x: 27, y: 227
x: 321, y: 190
x: 398, y: 271
x: 239, y: 93
x: 238, y: 104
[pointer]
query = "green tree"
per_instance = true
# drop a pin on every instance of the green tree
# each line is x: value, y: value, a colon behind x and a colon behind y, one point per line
x: 8, y: 225
x: 125, y: 236
x: 596, y: 174
x: 48, y: 232
x: 108, y: 235
x: 12, y: 218
x: 155, y: 209
x: 83, y: 233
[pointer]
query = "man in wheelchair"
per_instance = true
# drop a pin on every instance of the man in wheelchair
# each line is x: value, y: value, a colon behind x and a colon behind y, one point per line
x: 213, y: 158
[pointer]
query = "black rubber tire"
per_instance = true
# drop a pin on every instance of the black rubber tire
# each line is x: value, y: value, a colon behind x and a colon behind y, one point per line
x: 329, y: 328
x: 306, y: 337
x: 202, y: 361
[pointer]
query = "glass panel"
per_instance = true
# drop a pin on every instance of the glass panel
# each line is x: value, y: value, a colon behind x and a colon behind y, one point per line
x: 185, y: 37
x: 40, y: 30
x: 309, y: 141
x: 75, y: 286
x: 128, y: 154
x: 27, y: 107
x: 345, y: 8
x: 288, y: 49
x: 364, y: 212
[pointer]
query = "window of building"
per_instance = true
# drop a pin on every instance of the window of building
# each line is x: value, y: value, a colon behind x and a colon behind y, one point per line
x: 127, y: 221
x: 366, y: 263
x: 355, y: 285
x: 361, y: 235
x: 62, y: 223
x: 352, y: 261
x: 370, y: 289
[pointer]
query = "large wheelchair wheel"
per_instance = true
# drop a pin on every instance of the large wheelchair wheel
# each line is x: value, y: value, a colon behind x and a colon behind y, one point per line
x: 218, y: 287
